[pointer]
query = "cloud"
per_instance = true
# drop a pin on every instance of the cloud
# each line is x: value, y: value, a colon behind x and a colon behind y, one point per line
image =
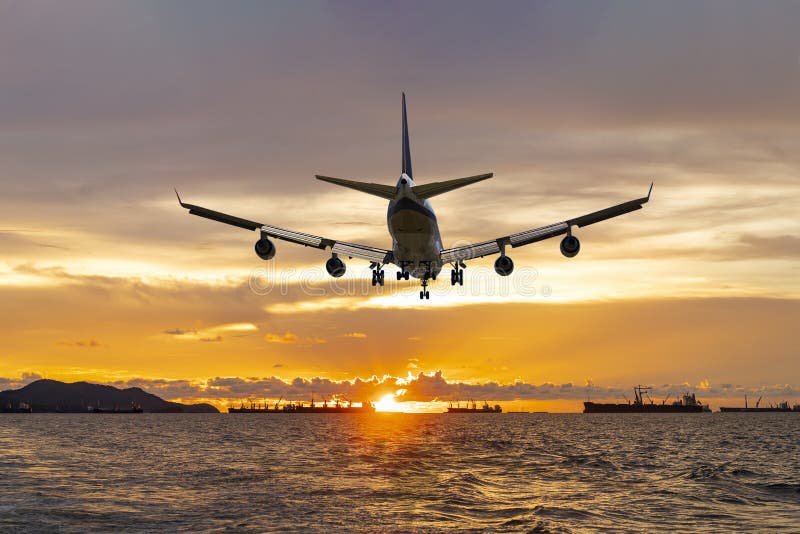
x: 428, y: 387
x: 164, y: 388
x: 176, y: 332
x: 778, y: 246
x: 289, y: 338
x: 419, y: 388
x: 81, y: 343
x: 356, y: 335
x: 212, y: 334
x: 15, y: 383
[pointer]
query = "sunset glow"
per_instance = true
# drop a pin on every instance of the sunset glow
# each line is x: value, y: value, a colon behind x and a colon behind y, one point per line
x: 104, y: 277
x: 387, y: 403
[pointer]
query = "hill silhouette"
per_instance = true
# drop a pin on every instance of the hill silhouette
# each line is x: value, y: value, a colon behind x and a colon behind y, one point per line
x: 52, y: 396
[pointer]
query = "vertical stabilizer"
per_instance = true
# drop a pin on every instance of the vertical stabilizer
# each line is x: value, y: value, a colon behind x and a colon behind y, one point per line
x: 406, y: 145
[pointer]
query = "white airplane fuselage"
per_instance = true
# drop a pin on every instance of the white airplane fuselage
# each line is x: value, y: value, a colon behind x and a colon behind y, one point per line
x: 416, y: 242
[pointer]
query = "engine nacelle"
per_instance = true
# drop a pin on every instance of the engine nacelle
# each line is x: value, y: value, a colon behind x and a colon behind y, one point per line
x: 335, y: 267
x: 570, y: 246
x: 265, y: 249
x: 503, y: 266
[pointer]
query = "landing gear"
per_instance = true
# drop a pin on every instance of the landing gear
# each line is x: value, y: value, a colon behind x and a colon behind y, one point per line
x: 424, y: 294
x: 377, y: 276
x: 403, y: 273
x: 457, y: 275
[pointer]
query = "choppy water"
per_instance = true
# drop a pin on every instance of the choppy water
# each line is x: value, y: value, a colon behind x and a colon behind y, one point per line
x: 392, y: 472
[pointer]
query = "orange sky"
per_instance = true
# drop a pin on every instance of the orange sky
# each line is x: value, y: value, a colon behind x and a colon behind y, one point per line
x: 104, y: 278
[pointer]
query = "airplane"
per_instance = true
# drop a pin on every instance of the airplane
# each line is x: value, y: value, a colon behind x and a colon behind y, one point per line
x: 417, y: 248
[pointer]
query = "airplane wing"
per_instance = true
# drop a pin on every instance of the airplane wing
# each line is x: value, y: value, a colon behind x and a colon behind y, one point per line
x: 352, y: 250
x: 486, y: 248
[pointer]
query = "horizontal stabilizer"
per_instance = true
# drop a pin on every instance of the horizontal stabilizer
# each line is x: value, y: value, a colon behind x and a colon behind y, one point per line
x: 379, y: 190
x: 437, y: 188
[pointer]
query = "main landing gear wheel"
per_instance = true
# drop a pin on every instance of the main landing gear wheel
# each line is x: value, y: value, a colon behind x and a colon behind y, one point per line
x: 402, y: 275
x: 377, y: 277
x: 457, y: 277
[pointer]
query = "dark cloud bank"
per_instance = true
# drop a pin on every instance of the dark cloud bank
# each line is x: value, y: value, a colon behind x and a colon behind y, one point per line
x: 420, y: 388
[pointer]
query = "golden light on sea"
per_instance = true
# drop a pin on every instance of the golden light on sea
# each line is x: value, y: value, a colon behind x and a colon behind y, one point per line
x: 387, y: 403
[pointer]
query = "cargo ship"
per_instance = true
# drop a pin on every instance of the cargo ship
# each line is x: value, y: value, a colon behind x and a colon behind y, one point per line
x: 686, y: 404
x: 300, y: 407
x: 134, y: 408
x: 471, y: 407
x: 780, y: 407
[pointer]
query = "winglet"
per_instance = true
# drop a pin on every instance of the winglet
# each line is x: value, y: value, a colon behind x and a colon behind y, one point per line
x: 179, y: 197
x: 650, y: 190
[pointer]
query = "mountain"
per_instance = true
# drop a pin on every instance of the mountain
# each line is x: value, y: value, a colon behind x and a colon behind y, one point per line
x: 52, y: 396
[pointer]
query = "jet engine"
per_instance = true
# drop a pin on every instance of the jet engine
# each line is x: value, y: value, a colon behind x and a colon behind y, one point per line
x: 503, y: 266
x: 570, y: 246
x: 335, y: 267
x: 265, y: 249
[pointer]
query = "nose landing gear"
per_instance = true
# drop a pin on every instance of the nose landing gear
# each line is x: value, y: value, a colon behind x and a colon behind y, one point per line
x: 424, y: 294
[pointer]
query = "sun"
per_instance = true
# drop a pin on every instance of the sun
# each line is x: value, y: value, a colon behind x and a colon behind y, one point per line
x: 388, y: 404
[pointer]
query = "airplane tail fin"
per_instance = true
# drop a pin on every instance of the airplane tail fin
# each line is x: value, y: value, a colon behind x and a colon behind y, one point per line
x: 437, y: 188
x: 379, y: 190
x: 421, y: 191
x: 406, y: 145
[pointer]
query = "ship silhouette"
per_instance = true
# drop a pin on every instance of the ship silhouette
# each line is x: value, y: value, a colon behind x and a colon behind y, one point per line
x: 471, y: 407
x: 301, y: 407
x: 780, y: 407
x: 686, y: 404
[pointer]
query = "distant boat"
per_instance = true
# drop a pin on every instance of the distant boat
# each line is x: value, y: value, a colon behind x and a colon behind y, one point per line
x: 336, y: 407
x: 134, y: 408
x: 21, y: 407
x: 471, y: 407
x: 780, y: 407
x: 686, y: 404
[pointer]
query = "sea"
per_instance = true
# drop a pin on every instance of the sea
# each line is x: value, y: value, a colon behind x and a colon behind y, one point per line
x: 390, y: 472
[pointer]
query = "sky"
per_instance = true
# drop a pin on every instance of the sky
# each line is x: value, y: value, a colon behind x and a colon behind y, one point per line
x: 106, y: 106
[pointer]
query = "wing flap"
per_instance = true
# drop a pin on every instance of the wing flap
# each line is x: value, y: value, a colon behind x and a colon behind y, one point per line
x: 364, y: 252
x: 296, y: 237
x: 470, y: 252
x: 537, y: 234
